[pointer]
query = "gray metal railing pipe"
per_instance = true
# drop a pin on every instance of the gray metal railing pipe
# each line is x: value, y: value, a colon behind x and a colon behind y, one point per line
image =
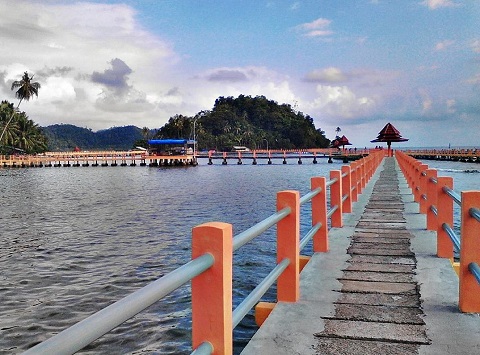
x: 475, y: 270
x: 88, y: 330
x: 243, y: 238
x: 434, y: 180
x: 344, y: 197
x: 205, y: 348
x: 332, y: 211
x: 434, y: 209
x: 257, y: 293
x: 309, y: 235
x: 475, y: 213
x: 331, y: 182
x: 453, y: 237
x: 310, y: 195
x: 454, y: 195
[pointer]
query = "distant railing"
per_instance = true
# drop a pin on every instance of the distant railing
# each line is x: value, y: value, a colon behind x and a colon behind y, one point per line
x: 210, y: 269
x: 436, y: 196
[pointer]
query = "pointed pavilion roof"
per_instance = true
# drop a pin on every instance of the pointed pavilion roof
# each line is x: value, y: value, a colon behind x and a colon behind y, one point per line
x: 340, y: 141
x: 389, y: 134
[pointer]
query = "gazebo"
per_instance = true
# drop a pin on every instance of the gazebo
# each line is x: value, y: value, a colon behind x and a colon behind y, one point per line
x: 389, y: 134
x: 340, y: 142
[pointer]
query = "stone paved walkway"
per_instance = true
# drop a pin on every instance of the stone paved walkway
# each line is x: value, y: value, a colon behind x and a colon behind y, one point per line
x: 378, y: 310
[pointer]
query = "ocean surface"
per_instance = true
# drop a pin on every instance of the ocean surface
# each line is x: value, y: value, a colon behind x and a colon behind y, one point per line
x: 74, y: 240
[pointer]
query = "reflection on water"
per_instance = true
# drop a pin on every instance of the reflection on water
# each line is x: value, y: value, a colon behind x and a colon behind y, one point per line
x: 75, y: 240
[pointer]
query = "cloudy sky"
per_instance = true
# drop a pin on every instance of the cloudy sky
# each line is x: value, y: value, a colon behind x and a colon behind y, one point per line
x: 353, y: 64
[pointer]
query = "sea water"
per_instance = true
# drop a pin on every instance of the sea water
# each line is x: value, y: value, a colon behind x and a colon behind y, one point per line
x: 74, y: 240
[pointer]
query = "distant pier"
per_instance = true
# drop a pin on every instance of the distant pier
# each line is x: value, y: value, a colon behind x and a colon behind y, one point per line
x: 463, y: 155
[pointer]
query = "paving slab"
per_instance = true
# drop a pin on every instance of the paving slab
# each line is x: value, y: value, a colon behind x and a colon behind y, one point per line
x: 405, y: 269
x: 379, y: 313
x: 379, y: 287
x: 338, y: 346
x: 399, y: 333
x: 377, y: 276
x: 377, y: 251
x: 376, y: 259
x: 380, y: 299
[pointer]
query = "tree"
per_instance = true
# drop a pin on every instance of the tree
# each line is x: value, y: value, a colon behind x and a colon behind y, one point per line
x: 337, y: 131
x: 26, y: 90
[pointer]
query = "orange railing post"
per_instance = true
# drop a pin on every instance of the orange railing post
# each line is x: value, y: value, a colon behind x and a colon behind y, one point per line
x: 319, y: 214
x: 336, y: 198
x: 422, y: 180
x: 469, y: 290
x: 212, y: 290
x: 431, y: 199
x: 288, y: 246
x: 445, y: 215
x: 354, y: 184
x: 347, y: 188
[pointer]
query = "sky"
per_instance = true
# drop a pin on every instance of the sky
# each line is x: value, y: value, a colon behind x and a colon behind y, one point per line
x: 353, y: 64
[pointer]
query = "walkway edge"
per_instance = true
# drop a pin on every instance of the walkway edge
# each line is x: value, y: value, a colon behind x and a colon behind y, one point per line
x: 290, y: 328
x: 450, y: 331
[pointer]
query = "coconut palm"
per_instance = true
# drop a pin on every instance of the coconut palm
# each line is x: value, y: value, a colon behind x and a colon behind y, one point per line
x: 25, y: 90
x: 337, y: 131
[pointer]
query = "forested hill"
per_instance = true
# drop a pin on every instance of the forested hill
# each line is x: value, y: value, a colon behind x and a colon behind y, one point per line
x: 254, y: 122
x: 65, y: 137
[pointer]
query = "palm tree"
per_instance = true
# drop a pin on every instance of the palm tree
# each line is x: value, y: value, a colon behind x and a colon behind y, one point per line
x: 26, y: 90
x: 337, y: 131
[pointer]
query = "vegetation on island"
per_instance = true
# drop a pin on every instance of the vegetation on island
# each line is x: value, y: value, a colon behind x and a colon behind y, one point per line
x: 254, y: 122
x: 19, y: 133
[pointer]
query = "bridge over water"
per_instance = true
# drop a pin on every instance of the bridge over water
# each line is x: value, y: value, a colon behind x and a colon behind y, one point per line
x: 382, y: 279
x: 380, y: 289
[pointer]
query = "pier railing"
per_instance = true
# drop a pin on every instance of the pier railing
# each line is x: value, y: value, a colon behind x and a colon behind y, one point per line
x: 210, y: 269
x: 436, y: 197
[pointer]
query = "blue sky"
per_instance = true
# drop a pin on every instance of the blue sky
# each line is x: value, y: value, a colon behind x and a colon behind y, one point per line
x: 354, y: 64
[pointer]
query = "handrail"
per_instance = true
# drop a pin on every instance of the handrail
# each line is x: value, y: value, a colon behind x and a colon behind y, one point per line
x: 86, y: 331
x: 205, y: 348
x: 454, y: 195
x: 243, y: 238
x: 331, y: 182
x: 475, y: 270
x: 309, y: 235
x: 475, y: 213
x: 309, y: 196
x: 332, y: 211
x: 453, y: 236
x: 244, y: 307
x: 436, y: 198
x: 216, y: 262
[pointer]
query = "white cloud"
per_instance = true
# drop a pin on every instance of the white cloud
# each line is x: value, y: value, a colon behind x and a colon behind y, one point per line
x: 317, y: 28
x: 435, y: 4
x: 426, y: 100
x: 68, y: 45
x: 451, y: 103
x: 341, y: 102
x: 440, y: 46
x: 330, y: 74
x: 475, y: 45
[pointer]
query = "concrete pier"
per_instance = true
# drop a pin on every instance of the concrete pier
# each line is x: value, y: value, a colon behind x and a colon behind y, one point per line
x: 379, y: 290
